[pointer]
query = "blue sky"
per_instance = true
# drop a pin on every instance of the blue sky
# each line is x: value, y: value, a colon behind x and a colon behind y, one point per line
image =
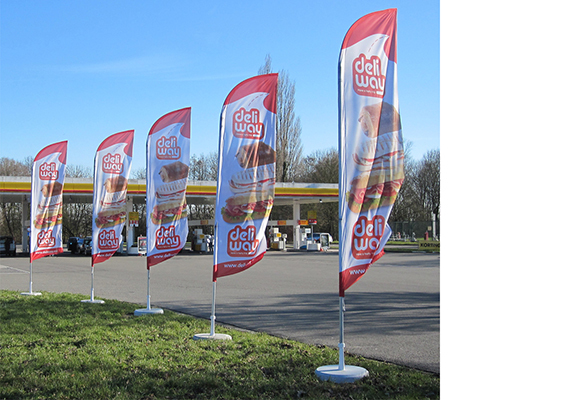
x: 81, y: 71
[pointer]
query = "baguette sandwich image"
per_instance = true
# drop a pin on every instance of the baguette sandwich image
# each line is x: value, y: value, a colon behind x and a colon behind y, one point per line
x: 253, y: 179
x: 253, y: 205
x: 49, y: 211
x: 374, y: 189
x: 169, y: 210
x: 378, y: 119
x: 171, y: 202
x: 113, y: 205
x: 255, y: 154
x: 174, y: 172
x: 379, y: 153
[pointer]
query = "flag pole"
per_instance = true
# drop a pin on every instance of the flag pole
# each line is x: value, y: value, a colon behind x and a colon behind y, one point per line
x: 214, y: 286
x: 30, y: 292
x: 148, y: 309
x: 341, y: 344
x: 341, y: 373
x: 212, y: 335
x: 148, y: 290
x: 92, y: 299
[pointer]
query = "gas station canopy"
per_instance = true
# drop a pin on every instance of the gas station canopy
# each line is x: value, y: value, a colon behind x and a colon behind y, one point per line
x: 16, y: 189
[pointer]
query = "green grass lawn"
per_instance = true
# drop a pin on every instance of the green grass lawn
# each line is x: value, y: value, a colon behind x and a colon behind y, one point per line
x: 55, y: 347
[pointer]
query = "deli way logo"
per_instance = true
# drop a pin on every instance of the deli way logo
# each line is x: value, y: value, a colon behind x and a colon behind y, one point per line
x: 166, y: 238
x: 367, y: 76
x: 242, y: 242
x: 112, y: 164
x: 45, y: 239
x: 168, y: 148
x: 247, y: 125
x: 107, y: 240
x: 48, y: 171
x: 366, y: 235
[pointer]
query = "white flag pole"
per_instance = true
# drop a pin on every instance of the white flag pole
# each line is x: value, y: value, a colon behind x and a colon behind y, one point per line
x: 148, y: 310
x: 212, y: 335
x: 92, y: 299
x: 30, y: 291
x: 341, y: 373
x: 214, y: 286
x: 341, y: 344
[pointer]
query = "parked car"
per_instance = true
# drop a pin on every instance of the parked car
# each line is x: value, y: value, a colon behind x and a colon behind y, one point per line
x: 75, y: 245
x: 7, y: 246
x: 317, y: 238
x: 87, y: 246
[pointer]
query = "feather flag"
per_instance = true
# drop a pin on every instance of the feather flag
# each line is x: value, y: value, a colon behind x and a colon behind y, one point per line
x: 246, y: 174
x: 112, y: 164
x: 371, y: 153
x: 167, y: 158
x: 46, y: 210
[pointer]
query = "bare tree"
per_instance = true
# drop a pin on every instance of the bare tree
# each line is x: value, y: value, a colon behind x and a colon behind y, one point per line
x: 10, y: 167
x: 203, y: 167
x: 428, y: 177
x: 77, y: 216
x: 406, y: 208
x: 419, y: 196
x: 322, y: 166
x: 10, y: 213
x: 288, y: 126
x: 78, y: 171
x: 139, y: 173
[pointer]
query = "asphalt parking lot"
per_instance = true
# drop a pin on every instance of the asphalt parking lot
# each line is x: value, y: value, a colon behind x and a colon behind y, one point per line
x: 392, y: 313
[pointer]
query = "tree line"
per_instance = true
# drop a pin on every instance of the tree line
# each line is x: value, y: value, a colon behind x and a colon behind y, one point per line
x: 418, y: 199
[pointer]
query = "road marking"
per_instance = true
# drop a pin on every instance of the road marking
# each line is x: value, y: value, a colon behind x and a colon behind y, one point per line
x: 4, y: 269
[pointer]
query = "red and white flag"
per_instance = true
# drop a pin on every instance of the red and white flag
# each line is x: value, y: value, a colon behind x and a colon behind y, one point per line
x: 46, y: 201
x: 371, y: 153
x: 246, y: 174
x: 167, y: 170
x: 112, y: 163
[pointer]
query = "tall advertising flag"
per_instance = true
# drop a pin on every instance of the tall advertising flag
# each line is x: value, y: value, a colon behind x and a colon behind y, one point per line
x: 371, y: 157
x: 112, y: 164
x: 246, y: 178
x: 46, y: 204
x: 167, y: 169
x: 46, y: 210
x: 371, y: 152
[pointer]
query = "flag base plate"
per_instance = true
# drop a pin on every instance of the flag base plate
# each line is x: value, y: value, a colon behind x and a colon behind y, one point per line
x: 334, y: 374
x: 93, y: 301
x: 147, y: 311
x: 31, y: 293
x: 209, y: 336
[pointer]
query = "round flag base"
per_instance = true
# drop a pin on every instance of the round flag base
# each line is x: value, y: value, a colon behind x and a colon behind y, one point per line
x: 31, y: 293
x: 209, y: 336
x: 147, y: 311
x: 334, y: 374
x: 93, y: 301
